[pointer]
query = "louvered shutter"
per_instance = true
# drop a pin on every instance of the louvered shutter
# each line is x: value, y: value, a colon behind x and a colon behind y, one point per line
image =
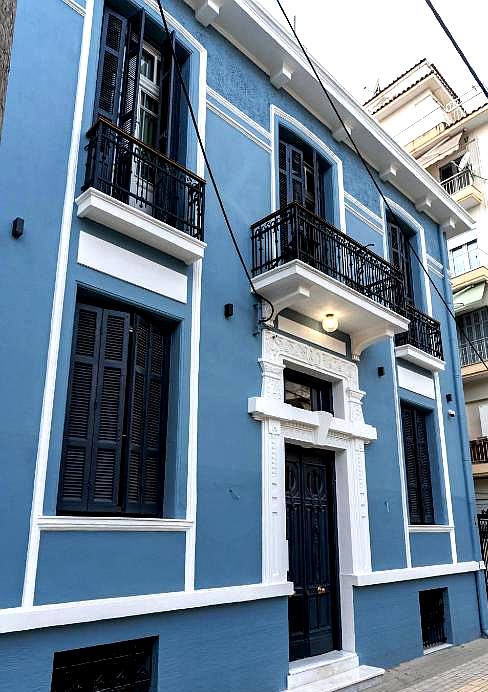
x: 132, y: 65
x: 291, y: 174
x: 109, y: 413
x: 413, y: 489
x: 114, y: 30
x: 166, y: 99
x: 78, y: 432
x: 423, y: 462
x: 147, y: 419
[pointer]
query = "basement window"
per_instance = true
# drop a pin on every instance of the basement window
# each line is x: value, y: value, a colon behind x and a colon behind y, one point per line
x: 433, y: 618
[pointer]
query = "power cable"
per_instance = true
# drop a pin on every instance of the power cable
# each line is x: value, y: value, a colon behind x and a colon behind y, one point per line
x: 458, y: 49
x: 210, y: 171
x: 378, y: 189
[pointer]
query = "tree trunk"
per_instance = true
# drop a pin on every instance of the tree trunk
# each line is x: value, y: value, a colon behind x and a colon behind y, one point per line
x: 7, y: 16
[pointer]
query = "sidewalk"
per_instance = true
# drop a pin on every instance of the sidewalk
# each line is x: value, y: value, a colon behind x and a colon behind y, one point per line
x: 457, y: 669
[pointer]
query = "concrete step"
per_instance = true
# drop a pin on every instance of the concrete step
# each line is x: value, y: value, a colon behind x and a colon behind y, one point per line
x: 320, y: 667
x: 353, y: 680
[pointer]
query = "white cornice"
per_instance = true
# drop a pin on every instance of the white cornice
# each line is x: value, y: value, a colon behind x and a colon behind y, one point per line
x: 255, y: 32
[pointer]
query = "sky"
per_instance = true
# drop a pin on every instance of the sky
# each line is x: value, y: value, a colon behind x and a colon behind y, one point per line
x: 359, y: 42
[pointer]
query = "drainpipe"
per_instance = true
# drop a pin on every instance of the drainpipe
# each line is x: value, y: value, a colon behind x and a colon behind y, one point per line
x: 467, y: 467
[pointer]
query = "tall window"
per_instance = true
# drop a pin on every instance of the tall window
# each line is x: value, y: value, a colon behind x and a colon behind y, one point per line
x: 417, y: 465
x: 137, y: 85
x: 109, y: 667
x: 302, y: 175
x: 400, y: 255
x: 114, y: 438
x: 464, y: 257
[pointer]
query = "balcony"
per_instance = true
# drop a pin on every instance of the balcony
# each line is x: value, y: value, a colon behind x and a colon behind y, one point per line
x: 137, y: 191
x: 462, y: 189
x: 479, y: 456
x: 422, y: 343
x: 472, y: 366
x: 302, y: 262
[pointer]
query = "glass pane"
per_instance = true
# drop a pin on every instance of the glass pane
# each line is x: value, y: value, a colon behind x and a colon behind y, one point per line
x: 298, y: 395
x: 148, y: 124
x: 147, y: 65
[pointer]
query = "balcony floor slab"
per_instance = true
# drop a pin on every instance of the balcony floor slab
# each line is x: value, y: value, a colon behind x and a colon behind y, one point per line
x: 314, y: 294
x: 135, y: 223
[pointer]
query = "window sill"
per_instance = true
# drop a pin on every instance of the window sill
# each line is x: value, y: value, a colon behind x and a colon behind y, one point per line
x: 430, y: 528
x: 112, y: 524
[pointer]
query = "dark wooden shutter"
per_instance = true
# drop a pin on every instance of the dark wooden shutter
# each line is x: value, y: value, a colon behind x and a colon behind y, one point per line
x: 78, y: 432
x: 291, y: 174
x: 147, y: 419
x: 114, y: 30
x: 132, y: 66
x: 109, y: 412
x: 423, y: 461
x: 166, y: 98
x: 413, y: 489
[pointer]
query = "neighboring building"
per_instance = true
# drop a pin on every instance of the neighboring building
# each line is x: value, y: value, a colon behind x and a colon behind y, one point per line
x: 448, y: 135
x: 191, y: 500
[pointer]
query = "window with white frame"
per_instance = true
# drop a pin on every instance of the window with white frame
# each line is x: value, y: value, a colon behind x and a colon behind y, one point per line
x: 464, y: 257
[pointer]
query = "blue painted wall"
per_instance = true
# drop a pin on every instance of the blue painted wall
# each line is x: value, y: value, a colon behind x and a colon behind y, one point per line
x: 231, y: 648
x: 79, y: 565
x: 35, y: 142
x: 430, y: 549
x: 387, y: 618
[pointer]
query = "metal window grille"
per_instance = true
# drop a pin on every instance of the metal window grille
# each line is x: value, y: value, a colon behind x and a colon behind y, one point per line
x: 432, y: 616
x: 121, y: 667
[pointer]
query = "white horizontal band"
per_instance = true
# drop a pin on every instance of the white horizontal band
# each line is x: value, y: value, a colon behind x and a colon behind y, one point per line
x: 395, y: 575
x: 52, y: 615
x: 112, y: 524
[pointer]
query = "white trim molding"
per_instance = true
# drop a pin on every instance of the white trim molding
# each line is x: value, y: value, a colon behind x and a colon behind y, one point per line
x: 390, y: 576
x: 345, y: 434
x: 66, y: 523
x: 79, y: 9
x: 57, y: 614
x: 231, y: 115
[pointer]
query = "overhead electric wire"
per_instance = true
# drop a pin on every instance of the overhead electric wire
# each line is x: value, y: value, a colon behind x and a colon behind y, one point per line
x: 378, y: 189
x: 210, y: 171
x: 458, y: 49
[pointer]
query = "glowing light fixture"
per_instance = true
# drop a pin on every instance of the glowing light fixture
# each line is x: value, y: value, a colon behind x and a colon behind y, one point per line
x: 330, y: 323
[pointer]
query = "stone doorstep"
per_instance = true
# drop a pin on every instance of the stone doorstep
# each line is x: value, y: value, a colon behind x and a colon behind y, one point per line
x: 331, y: 672
x: 354, y: 680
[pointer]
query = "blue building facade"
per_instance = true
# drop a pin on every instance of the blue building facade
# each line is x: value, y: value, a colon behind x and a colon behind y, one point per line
x: 199, y: 493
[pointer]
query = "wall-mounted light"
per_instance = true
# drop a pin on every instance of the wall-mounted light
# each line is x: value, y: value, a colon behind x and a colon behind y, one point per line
x: 330, y: 323
x: 228, y: 310
x: 381, y: 371
x: 17, y: 227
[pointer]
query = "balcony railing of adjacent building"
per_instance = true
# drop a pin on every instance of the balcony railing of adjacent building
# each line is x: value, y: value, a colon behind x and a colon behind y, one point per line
x: 424, y: 332
x: 294, y: 233
x: 479, y: 450
x: 458, y: 182
x: 128, y: 170
x: 469, y: 356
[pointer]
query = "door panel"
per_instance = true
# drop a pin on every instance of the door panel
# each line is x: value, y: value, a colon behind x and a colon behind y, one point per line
x: 310, y: 503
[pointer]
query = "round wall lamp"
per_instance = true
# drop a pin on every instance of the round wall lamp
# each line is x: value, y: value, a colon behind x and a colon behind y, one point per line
x: 330, y: 323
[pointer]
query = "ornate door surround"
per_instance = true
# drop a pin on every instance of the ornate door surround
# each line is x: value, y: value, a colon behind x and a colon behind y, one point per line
x: 345, y: 433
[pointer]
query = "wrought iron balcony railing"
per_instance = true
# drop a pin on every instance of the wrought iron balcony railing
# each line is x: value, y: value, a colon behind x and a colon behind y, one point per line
x: 458, y: 181
x: 479, y: 450
x: 424, y: 332
x: 469, y: 356
x: 294, y: 233
x: 128, y: 170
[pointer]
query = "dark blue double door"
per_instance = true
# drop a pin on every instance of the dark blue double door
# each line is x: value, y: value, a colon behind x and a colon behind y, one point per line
x: 313, y: 609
